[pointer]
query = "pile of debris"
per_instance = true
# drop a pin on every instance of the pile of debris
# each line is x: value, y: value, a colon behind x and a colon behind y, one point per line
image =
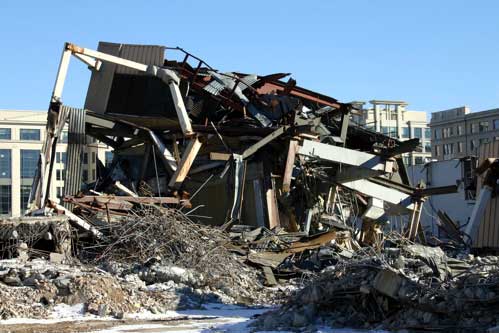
x: 222, y: 184
x: 406, y: 287
x: 167, y: 236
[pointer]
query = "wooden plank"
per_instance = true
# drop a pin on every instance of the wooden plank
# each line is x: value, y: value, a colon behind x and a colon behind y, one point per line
x: 125, y: 189
x: 178, y: 101
x: 269, y: 276
x: 185, y: 164
x: 77, y: 220
x: 290, y: 162
x: 269, y: 138
x: 214, y: 156
x: 272, y: 210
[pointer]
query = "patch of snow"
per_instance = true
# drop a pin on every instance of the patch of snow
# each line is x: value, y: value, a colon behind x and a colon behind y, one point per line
x: 62, y: 311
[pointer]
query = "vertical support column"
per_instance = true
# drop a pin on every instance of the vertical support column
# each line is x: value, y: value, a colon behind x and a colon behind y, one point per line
x: 39, y: 186
x: 15, y: 176
x: 398, y: 110
x: 76, y: 143
x: 415, y: 217
x: 345, y: 119
x: 239, y: 180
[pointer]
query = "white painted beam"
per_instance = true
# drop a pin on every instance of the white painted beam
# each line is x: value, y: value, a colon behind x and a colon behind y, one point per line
x: 345, y: 156
x: 374, y: 190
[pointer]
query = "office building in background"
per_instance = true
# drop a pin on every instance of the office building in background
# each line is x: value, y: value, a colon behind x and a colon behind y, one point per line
x: 458, y: 132
x: 393, y: 119
x: 22, y: 134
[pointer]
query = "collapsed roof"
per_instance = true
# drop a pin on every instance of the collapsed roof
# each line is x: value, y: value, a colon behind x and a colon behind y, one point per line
x: 239, y: 148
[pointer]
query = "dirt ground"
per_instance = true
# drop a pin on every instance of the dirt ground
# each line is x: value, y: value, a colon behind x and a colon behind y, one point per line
x: 164, y: 325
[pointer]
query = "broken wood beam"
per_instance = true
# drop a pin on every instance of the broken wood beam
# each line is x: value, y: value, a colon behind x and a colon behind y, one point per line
x: 269, y: 138
x: 214, y: 156
x: 75, y: 219
x: 185, y: 164
x: 290, y: 162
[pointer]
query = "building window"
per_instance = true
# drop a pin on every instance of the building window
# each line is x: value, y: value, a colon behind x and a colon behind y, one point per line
x: 85, y: 158
x: 64, y: 137
x: 473, y: 145
x: 60, y: 174
x: 108, y: 158
x: 459, y: 147
x: 437, y: 150
x: 484, y: 140
x: 495, y: 124
x: 418, y: 132
x: 427, y: 147
x: 437, y: 134
x: 448, y: 148
x: 93, y: 175
x: 5, y: 163
x: 418, y: 160
x: 405, y: 132
x: 5, y: 199
x: 29, y: 163
x: 93, y: 157
x: 407, y: 160
x: 427, y: 133
x: 5, y: 134
x: 60, y: 192
x: 85, y: 175
x: 448, y: 132
x: 61, y: 157
x: 460, y: 130
x: 25, y: 190
x: 483, y: 126
x: 30, y: 134
x: 474, y: 128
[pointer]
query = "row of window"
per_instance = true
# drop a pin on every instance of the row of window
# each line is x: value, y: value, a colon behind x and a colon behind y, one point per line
x: 29, y: 134
x: 29, y: 163
x: 6, y: 198
x: 417, y: 160
x: 478, y: 127
x: 417, y: 132
x: 458, y: 147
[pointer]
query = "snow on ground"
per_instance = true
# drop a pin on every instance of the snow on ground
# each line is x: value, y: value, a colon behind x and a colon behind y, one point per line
x: 214, y: 318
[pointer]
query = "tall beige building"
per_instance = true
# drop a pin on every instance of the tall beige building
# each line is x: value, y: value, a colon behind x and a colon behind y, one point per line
x: 393, y: 119
x: 21, y: 138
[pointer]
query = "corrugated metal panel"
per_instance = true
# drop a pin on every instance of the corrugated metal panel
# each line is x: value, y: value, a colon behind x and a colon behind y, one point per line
x: 488, y: 232
x: 76, y: 142
x: 101, y: 81
x: 145, y: 54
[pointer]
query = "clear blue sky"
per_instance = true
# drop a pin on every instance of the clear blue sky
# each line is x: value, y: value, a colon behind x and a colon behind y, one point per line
x: 432, y: 54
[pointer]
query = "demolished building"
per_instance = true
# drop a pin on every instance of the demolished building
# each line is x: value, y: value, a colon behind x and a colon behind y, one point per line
x: 238, y: 148
x: 280, y: 173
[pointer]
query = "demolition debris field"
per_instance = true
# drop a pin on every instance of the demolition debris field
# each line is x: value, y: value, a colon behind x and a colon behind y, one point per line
x: 235, y: 188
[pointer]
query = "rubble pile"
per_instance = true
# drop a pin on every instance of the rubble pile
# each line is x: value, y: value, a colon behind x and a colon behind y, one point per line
x: 32, y: 289
x: 161, y: 237
x: 410, y: 287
